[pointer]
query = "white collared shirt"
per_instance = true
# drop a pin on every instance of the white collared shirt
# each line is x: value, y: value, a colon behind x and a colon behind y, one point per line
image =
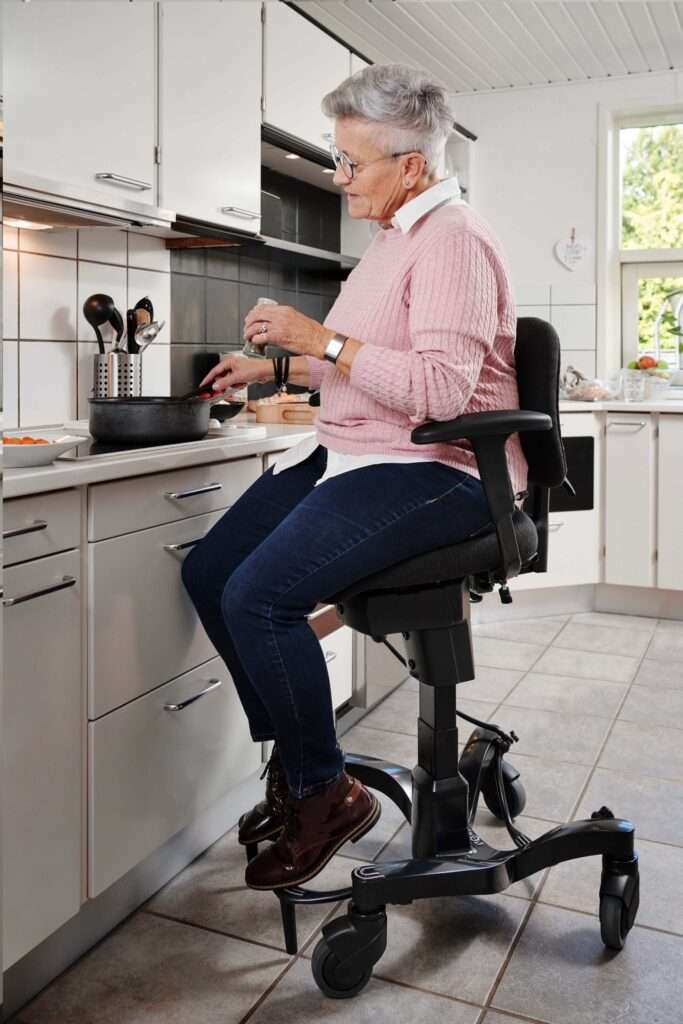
x: 446, y: 191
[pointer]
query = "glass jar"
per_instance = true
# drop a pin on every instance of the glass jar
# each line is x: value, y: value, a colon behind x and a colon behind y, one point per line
x: 633, y: 385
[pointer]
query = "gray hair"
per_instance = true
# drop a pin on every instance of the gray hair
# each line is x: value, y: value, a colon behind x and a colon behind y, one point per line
x: 409, y: 109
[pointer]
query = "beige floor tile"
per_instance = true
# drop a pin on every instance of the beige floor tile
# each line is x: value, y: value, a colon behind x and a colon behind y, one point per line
x: 391, y: 746
x: 666, y: 645
x: 655, y: 806
x: 534, y: 631
x: 565, y: 737
x: 296, y: 999
x: 603, y: 639
x: 399, y: 712
x: 552, y: 787
x: 152, y: 971
x: 666, y: 709
x: 560, y: 661
x: 491, y: 684
x: 675, y: 624
x: 617, y: 621
x: 644, y: 749
x: 561, y: 972
x: 505, y: 654
x: 576, y: 885
x: 566, y: 694
x: 660, y: 675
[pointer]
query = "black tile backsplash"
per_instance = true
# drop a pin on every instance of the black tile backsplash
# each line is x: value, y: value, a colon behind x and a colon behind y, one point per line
x: 213, y: 289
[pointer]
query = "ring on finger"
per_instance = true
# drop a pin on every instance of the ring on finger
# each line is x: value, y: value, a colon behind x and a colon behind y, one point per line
x: 263, y: 328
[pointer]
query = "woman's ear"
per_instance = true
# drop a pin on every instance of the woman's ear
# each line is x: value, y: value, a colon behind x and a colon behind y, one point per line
x: 413, y: 169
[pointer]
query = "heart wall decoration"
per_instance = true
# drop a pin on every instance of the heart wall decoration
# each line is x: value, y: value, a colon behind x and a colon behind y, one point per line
x: 570, y: 252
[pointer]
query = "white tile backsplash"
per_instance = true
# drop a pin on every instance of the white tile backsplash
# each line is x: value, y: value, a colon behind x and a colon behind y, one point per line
x: 580, y: 359
x: 86, y: 376
x: 157, y: 286
x: 105, y: 245
x: 148, y: 252
x: 10, y: 238
x: 47, y: 382
x: 10, y: 384
x: 156, y: 370
x: 102, y: 278
x: 572, y: 293
x: 48, y: 298
x: 10, y: 294
x: 575, y: 326
x: 532, y: 294
x: 57, y: 242
x: 540, y: 311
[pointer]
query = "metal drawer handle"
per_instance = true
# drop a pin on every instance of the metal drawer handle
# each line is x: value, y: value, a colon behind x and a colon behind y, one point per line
x: 120, y: 179
x: 38, y: 524
x: 67, y: 581
x: 238, y: 212
x: 179, y: 495
x: 182, y: 546
x: 213, y: 685
x: 638, y: 424
x: 554, y: 527
x: 330, y: 655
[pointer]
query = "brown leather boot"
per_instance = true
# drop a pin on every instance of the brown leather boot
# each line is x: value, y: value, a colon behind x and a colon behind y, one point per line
x: 265, y: 820
x: 315, y: 828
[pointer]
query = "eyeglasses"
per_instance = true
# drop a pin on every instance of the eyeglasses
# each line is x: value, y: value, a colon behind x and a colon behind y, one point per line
x: 349, y: 167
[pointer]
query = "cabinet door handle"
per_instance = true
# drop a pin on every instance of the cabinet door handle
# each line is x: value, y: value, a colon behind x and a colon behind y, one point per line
x: 330, y: 656
x: 183, y: 546
x: 120, y: 179
x: 18, y: 531
x: 179, y: 495
x: 67, y: 581
x: 238, y: 212
x: 554, y: 527
x: 213, y: 685
x: 638, y: 424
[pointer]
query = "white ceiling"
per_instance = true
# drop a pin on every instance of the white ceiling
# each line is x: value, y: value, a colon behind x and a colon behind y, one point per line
x: 491, y: 44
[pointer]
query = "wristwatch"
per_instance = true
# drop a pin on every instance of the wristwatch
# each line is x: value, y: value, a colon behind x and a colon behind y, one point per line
x: 334, y: 347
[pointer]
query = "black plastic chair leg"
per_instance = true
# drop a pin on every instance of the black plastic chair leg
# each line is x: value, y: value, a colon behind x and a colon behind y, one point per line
x: 288, y: 911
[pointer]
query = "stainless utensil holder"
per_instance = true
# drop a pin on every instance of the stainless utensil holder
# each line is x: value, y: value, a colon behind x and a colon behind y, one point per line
x: 118, y: 375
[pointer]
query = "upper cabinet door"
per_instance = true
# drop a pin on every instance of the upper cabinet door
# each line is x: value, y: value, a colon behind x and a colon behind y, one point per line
x: 79, y: 85
x: 302, y: 64
x: 210, y: 112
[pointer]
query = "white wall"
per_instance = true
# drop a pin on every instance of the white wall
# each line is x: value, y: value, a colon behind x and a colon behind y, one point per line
x: 535, y: 176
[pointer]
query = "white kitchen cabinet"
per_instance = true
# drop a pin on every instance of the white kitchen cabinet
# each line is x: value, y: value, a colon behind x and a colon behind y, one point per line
x: 670, y: 504
x: 40, y: 525
x: 630, y: 462
x: 338, y: 651
x: 41, y: 751
x: 301, y: 64
x: 210, y: 123
x: 155, y: 764
x: 142, y: 627
x: 79, y: 80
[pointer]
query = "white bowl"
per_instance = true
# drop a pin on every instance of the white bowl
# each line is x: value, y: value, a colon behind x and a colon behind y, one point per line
x: 23, y: 456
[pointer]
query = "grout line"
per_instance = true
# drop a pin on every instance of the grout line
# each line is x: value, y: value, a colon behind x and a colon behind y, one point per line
x: 214, y: 931
x: 595, y: 917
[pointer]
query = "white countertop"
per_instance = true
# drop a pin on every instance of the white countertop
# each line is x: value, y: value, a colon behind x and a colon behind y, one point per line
x: 673, y: 405
x: 62, y: 473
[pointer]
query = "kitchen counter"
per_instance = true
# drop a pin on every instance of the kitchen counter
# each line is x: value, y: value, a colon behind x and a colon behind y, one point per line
x: 666, y: 405
x: 63, y: 473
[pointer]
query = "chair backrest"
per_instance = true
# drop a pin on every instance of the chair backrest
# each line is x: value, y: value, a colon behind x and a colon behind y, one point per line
x: 537, y: 358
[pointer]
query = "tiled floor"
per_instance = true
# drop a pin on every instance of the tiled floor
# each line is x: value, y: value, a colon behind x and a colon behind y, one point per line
x: 596, y: 700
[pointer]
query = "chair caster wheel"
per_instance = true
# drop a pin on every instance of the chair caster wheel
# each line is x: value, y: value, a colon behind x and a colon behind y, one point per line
x: 514, y: 792
x: 333, y: 978
x: 619, y: 900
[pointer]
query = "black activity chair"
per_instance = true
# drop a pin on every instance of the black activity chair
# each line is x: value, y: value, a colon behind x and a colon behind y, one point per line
x: 427, y: 599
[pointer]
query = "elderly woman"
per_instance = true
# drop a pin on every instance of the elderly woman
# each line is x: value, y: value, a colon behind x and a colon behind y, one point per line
x: 423, y: 329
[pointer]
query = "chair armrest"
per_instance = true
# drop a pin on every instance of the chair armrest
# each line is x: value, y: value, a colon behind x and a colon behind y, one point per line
x: 481, y: 424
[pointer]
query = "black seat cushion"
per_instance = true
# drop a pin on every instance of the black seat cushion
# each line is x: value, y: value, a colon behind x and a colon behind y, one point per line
x: 478, y: 554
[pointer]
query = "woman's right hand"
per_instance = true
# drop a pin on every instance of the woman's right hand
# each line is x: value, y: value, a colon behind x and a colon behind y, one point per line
x: 235, y: 371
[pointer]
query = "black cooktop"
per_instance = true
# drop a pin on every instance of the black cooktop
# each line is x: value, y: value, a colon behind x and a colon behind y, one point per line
x: 91, y: 449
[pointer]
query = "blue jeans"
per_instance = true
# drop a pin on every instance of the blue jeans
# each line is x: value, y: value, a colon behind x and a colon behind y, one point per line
x: 287, y: 545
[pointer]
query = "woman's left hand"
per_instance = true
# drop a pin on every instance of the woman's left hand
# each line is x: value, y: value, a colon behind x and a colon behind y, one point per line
x: 299, y: 334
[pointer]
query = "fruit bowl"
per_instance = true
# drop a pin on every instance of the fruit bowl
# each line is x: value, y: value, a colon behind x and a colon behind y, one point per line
x: 655, y: 376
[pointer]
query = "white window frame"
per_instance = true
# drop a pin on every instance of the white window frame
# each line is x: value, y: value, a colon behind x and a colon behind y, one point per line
x: 617, y: 287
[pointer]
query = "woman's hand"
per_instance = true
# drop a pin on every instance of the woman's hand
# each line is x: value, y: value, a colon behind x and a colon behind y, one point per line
x: 287, y: 328
x: 235, y: 371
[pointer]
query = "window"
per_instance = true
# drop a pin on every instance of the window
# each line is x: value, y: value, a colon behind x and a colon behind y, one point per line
x: 651, y: 243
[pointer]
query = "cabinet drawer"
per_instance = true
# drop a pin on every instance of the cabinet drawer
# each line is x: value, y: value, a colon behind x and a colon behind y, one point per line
x: 152, y: 769
x: 140, y: 502
x: 338, y: 651
x: 143, y: 629
x: 41, y: 524
x: 41, y: 751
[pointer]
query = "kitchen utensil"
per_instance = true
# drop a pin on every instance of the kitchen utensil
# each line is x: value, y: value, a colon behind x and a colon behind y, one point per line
x: 118, y: 374
x: 117, y: 323
x: 202, y: 391
x: 148, y: 421
x: 144, y: 336
x: 97, y: 310
x: 131, y: 327
x: 223, y: 411
x: 254, y: 350
x: 21, y: 456
x: 144, y: 311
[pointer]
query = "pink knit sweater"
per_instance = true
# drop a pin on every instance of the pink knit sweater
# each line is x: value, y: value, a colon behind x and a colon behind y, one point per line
x: 435, y: 312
